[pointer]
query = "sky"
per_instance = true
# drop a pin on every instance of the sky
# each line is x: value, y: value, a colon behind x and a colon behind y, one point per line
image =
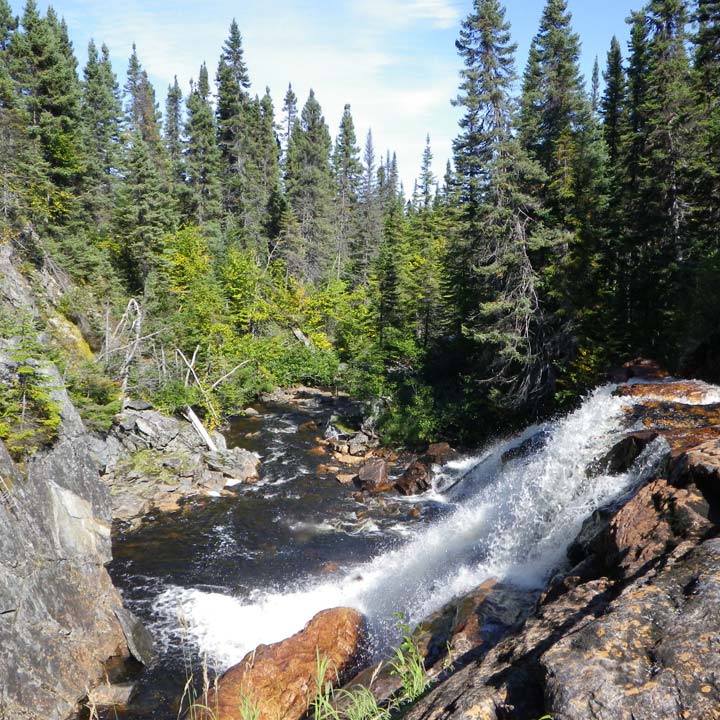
x: 394, y: 61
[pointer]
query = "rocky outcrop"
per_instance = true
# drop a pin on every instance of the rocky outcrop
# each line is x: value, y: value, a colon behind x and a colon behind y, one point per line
x: 153, y: 461
x: 57, y: 602
x: 417, y: 478
x: 631, y: 630
x: 279, y: 680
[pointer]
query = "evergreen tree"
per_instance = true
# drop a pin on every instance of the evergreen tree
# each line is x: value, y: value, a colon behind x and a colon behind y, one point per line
x: 427, y: 179
x: 202, y: 202
x: 42, y: 66
x: 368, y: 237
x: 101, y: 114
x: 290, y: 113
x: 309, y: 183
x: 613, y: 101
x: 174, y: 135
x: 553, y: 104
x: 8, y: 25
x: 348, y: 174
x: 142, y: 115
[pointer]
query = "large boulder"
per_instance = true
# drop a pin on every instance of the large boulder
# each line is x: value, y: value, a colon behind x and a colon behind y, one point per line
x: 278, y: 680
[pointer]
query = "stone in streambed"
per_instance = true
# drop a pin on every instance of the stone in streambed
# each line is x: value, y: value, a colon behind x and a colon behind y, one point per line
x: 415, y: 480
x: 279, y: 679
x: 373, y: 476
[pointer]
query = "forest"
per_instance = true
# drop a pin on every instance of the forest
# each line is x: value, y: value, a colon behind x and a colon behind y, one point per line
x: 575, y: 228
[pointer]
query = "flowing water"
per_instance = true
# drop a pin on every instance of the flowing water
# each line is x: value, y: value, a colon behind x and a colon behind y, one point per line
x: 254, y: 568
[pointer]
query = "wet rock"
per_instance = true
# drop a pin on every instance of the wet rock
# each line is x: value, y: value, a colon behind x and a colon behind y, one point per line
x: 526, y: 448
x: 678, y: 391
x: 346, y: 478
x: 373, y: 476
x: 139, y: 640
x: 109, y: 695
x: 622, y: 455
x: 641, y: 369
x: 440, y: 453
x: 251, y: 412
x: 279, y: 679
x: 415, y: 480
x: 700, y: 465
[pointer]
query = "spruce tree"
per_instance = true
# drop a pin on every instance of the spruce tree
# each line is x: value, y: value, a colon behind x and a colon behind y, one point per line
x: 101, y: 115
x: 142, y: 115
x: 427, y: 179
x: 290, y: 112
x: 612, y: 105
x: 552, y: 105
x: 8, y: 25
x: 367, y: 238
x: 309, y: 183
x: 202, y: 201
x: 348, y: 174
x: 173, y: 134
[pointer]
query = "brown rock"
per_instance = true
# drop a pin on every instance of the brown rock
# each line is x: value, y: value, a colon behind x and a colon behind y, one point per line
x: 345, y: 478
x: 622, y: 455
x: 641, y: 368
x: 658, y: 518
x: 279, y: 679
x: 373, y: 476
x: 440, y: 453
x: 415, y: 480
x: 318, y: 450
x: 308, y: 426
x: 700, y: 465
x: 681, y: 391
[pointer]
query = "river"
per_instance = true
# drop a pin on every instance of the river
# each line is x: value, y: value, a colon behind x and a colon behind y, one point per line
x: 226, y: 574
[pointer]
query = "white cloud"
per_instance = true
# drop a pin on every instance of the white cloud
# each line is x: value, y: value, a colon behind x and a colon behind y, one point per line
x: 440, y: 13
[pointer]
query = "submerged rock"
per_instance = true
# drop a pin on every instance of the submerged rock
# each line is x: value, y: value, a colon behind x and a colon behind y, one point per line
x: 278, y: 681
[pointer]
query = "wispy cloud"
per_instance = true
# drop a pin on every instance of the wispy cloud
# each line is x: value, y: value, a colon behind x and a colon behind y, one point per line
x: 440, y: 13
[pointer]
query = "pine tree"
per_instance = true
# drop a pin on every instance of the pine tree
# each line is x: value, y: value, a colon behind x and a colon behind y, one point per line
x: 500, y: 263
x: 309, y: 183
x: 101, y: 114
x: 202, y: 201
x: 348, y: 173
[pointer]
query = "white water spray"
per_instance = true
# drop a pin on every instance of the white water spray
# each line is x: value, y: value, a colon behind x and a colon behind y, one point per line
x: 512, y: 521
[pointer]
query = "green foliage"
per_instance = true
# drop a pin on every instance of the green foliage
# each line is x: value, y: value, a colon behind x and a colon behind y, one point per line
x: 29, y: 414
x: 94, y: 394
x: 408, y: 664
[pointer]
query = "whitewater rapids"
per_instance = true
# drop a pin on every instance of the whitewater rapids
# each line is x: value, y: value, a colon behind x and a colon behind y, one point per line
x: 512, y: 521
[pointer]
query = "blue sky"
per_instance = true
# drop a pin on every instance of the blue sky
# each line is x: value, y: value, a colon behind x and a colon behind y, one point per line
x: 394, y: 61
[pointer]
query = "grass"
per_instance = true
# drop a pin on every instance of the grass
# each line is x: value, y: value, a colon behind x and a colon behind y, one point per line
x: 409, y: 665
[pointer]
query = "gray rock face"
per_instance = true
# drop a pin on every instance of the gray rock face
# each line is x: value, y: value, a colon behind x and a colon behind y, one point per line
x: 151, y: 461
x: 57, y: 623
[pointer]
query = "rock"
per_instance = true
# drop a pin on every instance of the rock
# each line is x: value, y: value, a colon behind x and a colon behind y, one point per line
x: 137, y: 405
x: 251, y: 412
x: 309, y: 426
x: 139, y: 640
x: 440, y: 453
x: 415, y: 480
x: 620, y: 458
x: 700, y: 465
x: 278, y: 679
x: 57, y: 623
x: 641, y: 369
x: 359, y: 444
x: 651, y: 654
x: 678, y: 391
x: 346, y: 478
x: 373, y: 476
x: 527, y: 447
x: 108, y: 695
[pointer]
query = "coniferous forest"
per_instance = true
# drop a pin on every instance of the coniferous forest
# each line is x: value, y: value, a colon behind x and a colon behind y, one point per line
x: 577, y: 225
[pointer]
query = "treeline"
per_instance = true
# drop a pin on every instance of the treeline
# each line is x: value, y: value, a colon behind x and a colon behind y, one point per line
x: 574, y: 227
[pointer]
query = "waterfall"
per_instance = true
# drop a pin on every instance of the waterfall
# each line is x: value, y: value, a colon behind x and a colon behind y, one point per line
x: 509, y: 520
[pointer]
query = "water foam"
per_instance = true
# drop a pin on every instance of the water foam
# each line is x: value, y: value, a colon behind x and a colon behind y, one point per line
x: 511, y: 520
